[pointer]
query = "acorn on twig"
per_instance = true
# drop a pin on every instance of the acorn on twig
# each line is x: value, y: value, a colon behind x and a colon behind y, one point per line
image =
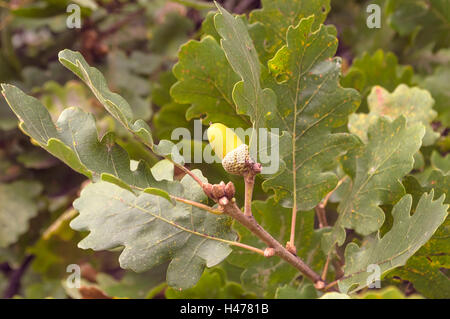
x: 234, y: 154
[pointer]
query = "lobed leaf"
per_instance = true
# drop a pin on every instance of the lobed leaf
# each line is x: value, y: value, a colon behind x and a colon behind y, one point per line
x: 248, y: 95
x: 426, y: 22
x: 425, y: 270
x: 152, y: 230
x: 277, y: 16
x: 18, y: 205
x: 311, y: 104
x: 406, y: 236
x: 74, y: 140
x: 206, y: 80
x: 376, y: 171
x: 380, y: 69
x: 414, y: 103
x: 437, y: 85
x: 113, y: 103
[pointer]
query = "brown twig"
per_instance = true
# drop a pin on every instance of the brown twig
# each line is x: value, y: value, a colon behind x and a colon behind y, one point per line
x: 187, y: 171
x: 248, y: 221
x: 325, y: 268
x: 321, y: 207
x: 251, y: 224
x: 196, y: 204
x: 321, y: 215
x: 14, y: 280
x: 331, y: 285
x: 249, y: 181
x: 121, y: 23
x: 243, y: 6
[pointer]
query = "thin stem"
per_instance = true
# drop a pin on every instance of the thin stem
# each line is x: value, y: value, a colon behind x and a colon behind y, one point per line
x: 187, y: 171
x: 321, y: 208
x: 16, y: 278
x: 250, y: 223
x: 331, y: 285
x: 293, y: 223
x: 214, y: 211
x: 248, y: 247
x: 196, y: 204
x: 325, y: 268
x: 321, y: 215
x: 327, y: 198
x: 249, y: 180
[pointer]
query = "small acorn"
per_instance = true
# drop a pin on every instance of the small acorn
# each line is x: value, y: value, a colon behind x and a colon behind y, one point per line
x: 227, y: 145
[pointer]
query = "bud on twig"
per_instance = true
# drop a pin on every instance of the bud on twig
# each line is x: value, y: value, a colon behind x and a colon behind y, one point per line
x: 230, y: 190
x: 269, y: 252
x: 218, y: 191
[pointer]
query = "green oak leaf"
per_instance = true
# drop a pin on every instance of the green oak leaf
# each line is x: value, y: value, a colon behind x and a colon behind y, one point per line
x: 311, y: 104
x: 426, y: 275
x: 351, y: 17
x: 377, y: 170
x: 406, y: 236
x: 169, y: 117
x: 380, y: 69
x: 170, y: 114
x: 437, y: 85
x: 208, y: 28
x: 57, y: 248
x: 212, y: 285
x: 248, y: 94
x: 129, y: 76
x: 440, y: 182
x: 7, y: 118
x: 153, y: 231
x: 390, y: 292
x: 424, y: 269
x: 426, y: 22
x: 18, y: 205
x: 278, y: 15
x: 335, y: 295
x: 440, y: 162
x: 265, y: 275
x: 74, y: 140
x: 306, y: 291
x: 132, y: 285
x: 116, y: 105
x: 206, y: 81
x: 413, y: 103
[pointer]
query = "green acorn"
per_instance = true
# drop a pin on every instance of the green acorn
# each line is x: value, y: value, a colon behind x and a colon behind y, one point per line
x: 237, y: 161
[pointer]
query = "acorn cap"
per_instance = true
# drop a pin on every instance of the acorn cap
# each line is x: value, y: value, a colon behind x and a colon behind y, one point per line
x: 237, y: 161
